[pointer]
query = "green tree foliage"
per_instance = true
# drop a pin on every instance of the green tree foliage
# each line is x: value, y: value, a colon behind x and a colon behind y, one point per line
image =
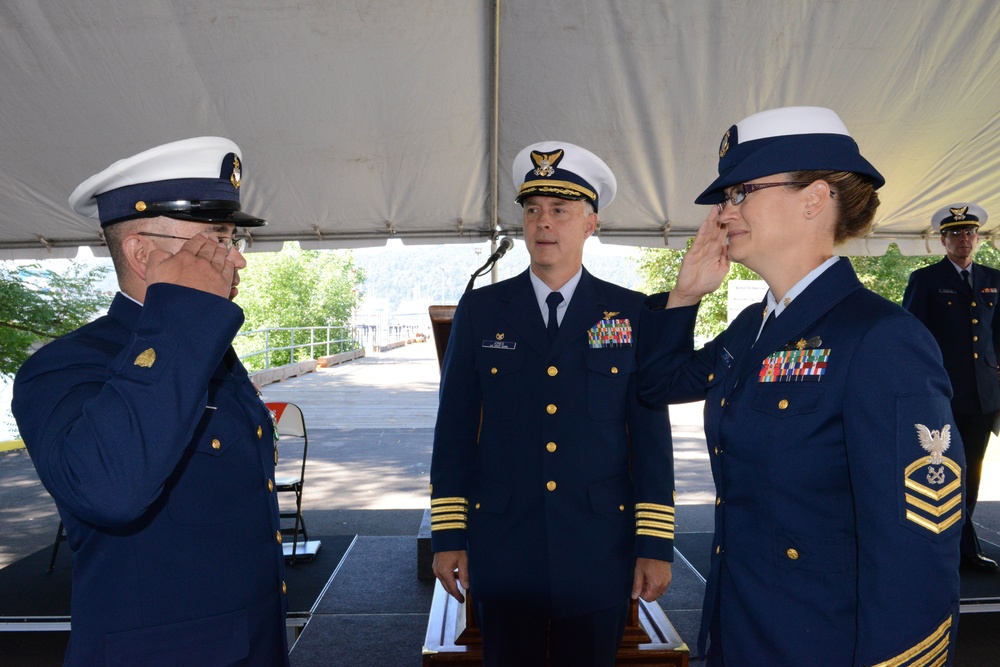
x: 658, y: 269
x: 296, y: 288
x: 886, y: 275
x: 39, y: 304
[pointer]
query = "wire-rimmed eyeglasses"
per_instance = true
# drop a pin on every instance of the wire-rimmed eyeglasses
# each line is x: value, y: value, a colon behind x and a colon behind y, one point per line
x: 739, y: 192
x: 236, y: 241
x: 967, y: 232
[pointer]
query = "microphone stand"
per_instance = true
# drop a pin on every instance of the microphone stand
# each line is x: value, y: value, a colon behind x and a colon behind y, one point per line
x: 505, y: 244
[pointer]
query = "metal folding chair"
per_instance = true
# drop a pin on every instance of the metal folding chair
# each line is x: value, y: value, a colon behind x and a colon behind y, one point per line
x: 291, y: 428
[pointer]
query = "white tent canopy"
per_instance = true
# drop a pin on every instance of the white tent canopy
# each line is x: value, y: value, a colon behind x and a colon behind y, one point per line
x: 364, y: 120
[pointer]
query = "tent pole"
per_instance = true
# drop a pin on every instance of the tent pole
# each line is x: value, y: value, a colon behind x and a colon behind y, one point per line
x: 495, y: 138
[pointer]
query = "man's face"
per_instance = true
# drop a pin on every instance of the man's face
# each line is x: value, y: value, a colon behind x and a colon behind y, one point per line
x: 960, y: 244
x: 185, y: 229
x: 555, y: 230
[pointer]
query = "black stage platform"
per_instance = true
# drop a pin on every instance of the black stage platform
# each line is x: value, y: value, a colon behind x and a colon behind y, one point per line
x: 35, y: 605
x: 369, y: 609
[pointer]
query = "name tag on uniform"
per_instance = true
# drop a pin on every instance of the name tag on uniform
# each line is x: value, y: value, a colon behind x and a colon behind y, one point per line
x: 499, y: 345
x: 795, y: 366
x: 945, y: 290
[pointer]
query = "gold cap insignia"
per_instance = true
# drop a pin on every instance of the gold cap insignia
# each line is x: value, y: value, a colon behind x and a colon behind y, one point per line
x: 724, y: 146
x: 146, y: 359
x: 545, y: 163
x: 959, y: 213
x: 500, y: 336
x: 235, y: 178
x: 609, y: 314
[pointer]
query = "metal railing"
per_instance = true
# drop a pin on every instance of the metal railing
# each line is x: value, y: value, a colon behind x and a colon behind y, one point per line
x: 262, y: 349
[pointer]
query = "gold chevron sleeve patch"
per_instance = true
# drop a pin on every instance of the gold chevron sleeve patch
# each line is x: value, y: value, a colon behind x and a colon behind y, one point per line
x: 449, y: 513
x: 654, y: 520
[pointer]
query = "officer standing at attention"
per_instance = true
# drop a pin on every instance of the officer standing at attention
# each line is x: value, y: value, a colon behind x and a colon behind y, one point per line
x: 956, y: 299
x: 146, y: 430
x: 551, y: 484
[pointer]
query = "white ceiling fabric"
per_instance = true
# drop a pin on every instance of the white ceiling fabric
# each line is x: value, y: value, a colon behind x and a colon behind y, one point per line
x: 363, y: 120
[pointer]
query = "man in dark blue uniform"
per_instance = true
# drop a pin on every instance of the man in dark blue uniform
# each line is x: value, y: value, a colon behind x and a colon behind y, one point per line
x: 956, y: 299
x: 551, y: 484
x: 146, y: 430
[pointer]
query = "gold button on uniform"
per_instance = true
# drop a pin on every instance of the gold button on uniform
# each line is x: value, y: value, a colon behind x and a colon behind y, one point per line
x: 277, y: 536
x: 551, y: 409
x: 284, y: 588
x: 614, y: 370
x: 975, y: 339
x: 975, y: 355
x: 716, y: 451
x: 718, y: 501
x: 551, y: 446
x: 270, y: 486
x: 552, y: 371
x: 711, y: 376
x: 722, y: 403
x: 275, y: 454
x: 260, y: 432
x: 551, y: 486
x: 973, y: 304
x: 975, y: 321
x: 493, y: 371
x: 717, y: 550
x: 478, y: 505
x: 793, y: 554
x: 216, y: 444
x: 783, y: 404
x: 621, y: 508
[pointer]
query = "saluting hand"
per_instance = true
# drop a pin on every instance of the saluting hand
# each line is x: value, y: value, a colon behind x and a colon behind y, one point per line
x: 705, y: 264
x: 202, y: 263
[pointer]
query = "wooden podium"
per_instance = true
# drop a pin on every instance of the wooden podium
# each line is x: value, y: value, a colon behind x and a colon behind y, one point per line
x: 452, y: 637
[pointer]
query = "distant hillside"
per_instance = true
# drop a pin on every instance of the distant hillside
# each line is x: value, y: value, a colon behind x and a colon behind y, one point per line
x: 440, y: 272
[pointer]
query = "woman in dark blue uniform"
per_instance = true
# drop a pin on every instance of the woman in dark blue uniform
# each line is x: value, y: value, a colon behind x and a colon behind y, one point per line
x: 836, y: 460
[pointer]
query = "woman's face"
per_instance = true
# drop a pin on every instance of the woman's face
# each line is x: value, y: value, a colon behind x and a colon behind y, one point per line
x: 761, y: 227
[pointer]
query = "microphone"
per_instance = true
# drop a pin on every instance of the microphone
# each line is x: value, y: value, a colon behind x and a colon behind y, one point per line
x: 504, y: 245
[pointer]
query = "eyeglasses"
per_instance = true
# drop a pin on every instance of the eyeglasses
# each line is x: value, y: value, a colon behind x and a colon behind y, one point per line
x: 960, y: 233
x: 239, y: 242
x: 739, y: 192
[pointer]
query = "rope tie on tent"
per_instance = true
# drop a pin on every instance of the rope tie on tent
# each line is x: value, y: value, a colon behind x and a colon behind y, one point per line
x: 45, y: 242
x: 319, y: 234
x: 666, y: 234
x: 389, y: 227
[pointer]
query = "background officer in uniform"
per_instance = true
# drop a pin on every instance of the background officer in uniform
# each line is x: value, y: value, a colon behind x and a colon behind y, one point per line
x: 551, y: 484
x: 146, y: 430
x: 956, y: 299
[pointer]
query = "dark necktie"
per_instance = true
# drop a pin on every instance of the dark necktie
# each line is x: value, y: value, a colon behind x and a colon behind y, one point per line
x: 967, y: 278
x: 553, y: 300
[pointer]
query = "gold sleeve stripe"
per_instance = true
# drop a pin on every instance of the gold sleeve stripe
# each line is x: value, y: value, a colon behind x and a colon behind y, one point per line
x: 449, y: 526
x: 931, y: 651
x: 444, y: 518
x: 653, y: 506
x: 662, y: 516
x: 448, y: 501
x: 655, y: 524
x: 449, y: 508
x: 655, y: 533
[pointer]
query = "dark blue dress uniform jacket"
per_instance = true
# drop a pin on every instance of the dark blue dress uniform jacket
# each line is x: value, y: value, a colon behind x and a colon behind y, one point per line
x: 966, y: 327
x: 145, y: 428
x: 836, y: 536
x: 546, y: 467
